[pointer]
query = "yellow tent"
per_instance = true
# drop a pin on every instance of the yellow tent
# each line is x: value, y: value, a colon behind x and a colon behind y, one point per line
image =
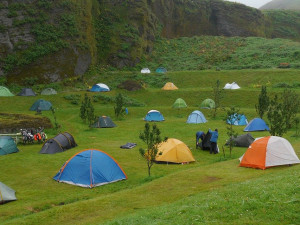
x: 174, y: 151
x: 169, y: 86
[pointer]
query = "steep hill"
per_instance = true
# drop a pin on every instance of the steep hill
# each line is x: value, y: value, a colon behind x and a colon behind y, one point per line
x: 282, y: 4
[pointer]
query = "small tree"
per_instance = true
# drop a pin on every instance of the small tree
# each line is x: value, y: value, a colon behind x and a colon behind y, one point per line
x: 218, y: 94
x: 56, y: 125
x: 83, y: 108
x: 119, y: 108
x: 152, y: 138
x: 290, y: 105
x: 87, y: 112
x: 263, y: 102
x: 276, y: 118
x: 231, y: 114
x: 297, y: 121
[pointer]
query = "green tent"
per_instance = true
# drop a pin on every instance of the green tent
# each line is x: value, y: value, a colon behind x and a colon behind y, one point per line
x: 4, y: 92
x: 6, y: 194
x: 208, y: 104
x: 179, y: 103
x: 7, y: 145
x: 41, y: 105
x: 48, y: 91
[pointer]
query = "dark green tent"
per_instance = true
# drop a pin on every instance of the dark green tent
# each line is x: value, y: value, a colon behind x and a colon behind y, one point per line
x: 7, y: 145
x: 41, y: 105
x: 104, y: 122
x: 6, y: 194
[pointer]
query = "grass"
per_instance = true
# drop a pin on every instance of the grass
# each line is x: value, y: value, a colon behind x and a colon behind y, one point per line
x: 213, y: 190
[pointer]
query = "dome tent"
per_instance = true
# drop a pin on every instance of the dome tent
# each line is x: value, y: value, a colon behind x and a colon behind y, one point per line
x: 179, y: 103
x: 5, y: 92
x: 104, y: 122
x: 100, y: 88
x: 145, y: 70
x: 90, y: 168
x: 27, y: 92
x: 169, y: 86
x: 7, y: 145
x: 196, y: 117
x: 160, y: 70
x: 7, y: 194
x: 237, y: 120
x: 49, y: 91
x: 257, y: 124
x: 207, y: 104
x: 269, y: 151
x: 41, y: 104
x: 59, y: 143
x: 174, y: 151
x: 154, y: 116
x: 232, y: 86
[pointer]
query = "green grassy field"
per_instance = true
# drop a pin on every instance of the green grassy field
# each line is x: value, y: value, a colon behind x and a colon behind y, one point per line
x: 213, y: 190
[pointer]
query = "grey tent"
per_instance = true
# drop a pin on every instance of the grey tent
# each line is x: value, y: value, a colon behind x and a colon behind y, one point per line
x: 59, y: 143
x: 7, y: 145
x: 244, y: 140
x: 6, y: 194
x: 27, y: 92
x: 49, y: 91
x: 104, y: 122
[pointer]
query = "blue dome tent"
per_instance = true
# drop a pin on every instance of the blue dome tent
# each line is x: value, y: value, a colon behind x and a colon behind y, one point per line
x: 161, y: 70
x: 154, y: 115
x: 257, y: 124
x: 41, y: 104
x: 196, y: 117
x: 90, y: 168
x: 237, y: 120
x: 100, y: 87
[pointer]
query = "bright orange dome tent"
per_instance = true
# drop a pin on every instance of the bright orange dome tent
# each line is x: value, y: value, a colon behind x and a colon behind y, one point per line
x: 174, y: 151
x: 169, y: 87
x: 269, y: 151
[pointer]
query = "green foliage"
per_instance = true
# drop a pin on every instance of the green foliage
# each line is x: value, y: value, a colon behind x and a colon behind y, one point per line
x: 87, y: 113
x: 291, y: 103
x: 218, y: 94
x: 127, y: 101
x: 297, y: 122
x: 30, y: 81
x: 119, y: 108
x: 276, y: 117
x: 231, y: 113
x: 263, y: 102
x: 57, y: 126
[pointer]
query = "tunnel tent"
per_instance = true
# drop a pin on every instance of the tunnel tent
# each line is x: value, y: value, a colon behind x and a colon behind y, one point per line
x: 244, y: 140
x: 59, y: 143
x: 49, y: 91
x: 5, y: 92
x: 27, y: 92
x: 7, y: 194
x: 7, y: 145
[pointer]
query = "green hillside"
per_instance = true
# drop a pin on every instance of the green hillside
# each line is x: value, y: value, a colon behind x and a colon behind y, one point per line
x: 282, y: 4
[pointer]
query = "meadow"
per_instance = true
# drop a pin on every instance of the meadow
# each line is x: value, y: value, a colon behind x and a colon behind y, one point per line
x: 212, y: 190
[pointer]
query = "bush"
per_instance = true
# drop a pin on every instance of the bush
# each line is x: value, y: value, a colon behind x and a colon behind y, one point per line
x: 284, y: 65
x: 282, y: 85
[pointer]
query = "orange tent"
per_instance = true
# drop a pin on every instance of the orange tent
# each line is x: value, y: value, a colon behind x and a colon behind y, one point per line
x: 269, y: 151
x: 169, y: 86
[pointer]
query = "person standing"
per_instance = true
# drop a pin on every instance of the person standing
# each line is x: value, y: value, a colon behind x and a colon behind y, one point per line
x: 213, y: 141
x: 199, y: 135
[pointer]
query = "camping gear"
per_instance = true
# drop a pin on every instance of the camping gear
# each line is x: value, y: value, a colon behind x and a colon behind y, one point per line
x: 7, y: 145
x: 160, y: 70
x: 49, y: 91
x: 269, y: 151
x: 104, y: 122
x: 232, y: 86
x: 6, y: 194
x: 244, y: 140
x: 27, y: 92
x: 59, y: 143
x: 5, y: 92
x: 100, y: 88
x: 179, y: 103
x: 196, y: 117
x: 257, y: 124
x: 90, y: 168
x: 205, y: 144
x: 237, y: 120
x: 145, y: 70
x: 174, y: 151
x: 169, y: 86
x: 154, y: 116
x: 128, y: 145
x: 207, y: 104
x: 41, y: 105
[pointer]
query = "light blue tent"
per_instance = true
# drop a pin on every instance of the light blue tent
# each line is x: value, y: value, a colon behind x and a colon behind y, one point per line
x: 237, y: 120
x: 161, y: 70
x: 90, y: 168
x: 154, y: 115
x: 100, y: 88
x: 196, y: 117
x: 257, y: 124
x: 41, y: 104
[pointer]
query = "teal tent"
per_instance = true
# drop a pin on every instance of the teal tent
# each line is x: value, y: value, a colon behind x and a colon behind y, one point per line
x: 160, y: 70
x: 6, y: 194
x: 41, y: 105
x: 179, y: 103
x: 7, y: 145
x: 4, y: 92
x: 208, y: 104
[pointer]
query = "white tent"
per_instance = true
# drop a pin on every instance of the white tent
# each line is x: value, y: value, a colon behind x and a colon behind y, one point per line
x: 232, y: 86
x: 145, y: 70
x: 6, y: 193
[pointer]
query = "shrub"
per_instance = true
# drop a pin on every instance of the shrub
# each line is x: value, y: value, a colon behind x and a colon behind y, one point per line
x: 284, y: 65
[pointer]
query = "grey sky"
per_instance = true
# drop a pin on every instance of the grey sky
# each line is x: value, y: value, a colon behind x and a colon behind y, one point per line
x: 252, y: 3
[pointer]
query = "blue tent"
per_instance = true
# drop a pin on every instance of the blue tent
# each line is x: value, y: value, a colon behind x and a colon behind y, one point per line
x: 154, y: 115
x: 41, y: 105
x: 161, y: 70
x: 237, y: 120
x: 196, y: 117
x: 90, y: 168
x: 100, y: 87
x: 257, y: 124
